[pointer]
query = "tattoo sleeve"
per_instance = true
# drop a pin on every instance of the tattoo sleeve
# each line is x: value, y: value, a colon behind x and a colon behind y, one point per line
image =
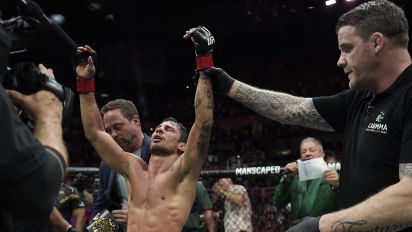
x: 204, y: 103
x: 281, y: 107
x: 204, y: 139
x: 207, y: 91
x: 356, y: 226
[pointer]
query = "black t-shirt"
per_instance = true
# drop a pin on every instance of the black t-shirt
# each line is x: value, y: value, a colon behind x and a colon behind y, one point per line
x: 377, y: 136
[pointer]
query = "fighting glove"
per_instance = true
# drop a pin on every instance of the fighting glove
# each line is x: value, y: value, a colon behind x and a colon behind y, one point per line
x: 221, y: 81
x: 204, y: 42
x: 307, y: 224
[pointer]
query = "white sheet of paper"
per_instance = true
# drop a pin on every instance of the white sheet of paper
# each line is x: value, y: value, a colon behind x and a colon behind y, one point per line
x: 311, y: 169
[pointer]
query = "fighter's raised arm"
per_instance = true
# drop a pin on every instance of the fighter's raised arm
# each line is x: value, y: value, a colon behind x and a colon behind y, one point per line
x: 197, y: 145
x: 102, y: 142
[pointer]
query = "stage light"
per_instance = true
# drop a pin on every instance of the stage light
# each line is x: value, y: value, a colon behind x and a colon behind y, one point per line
x: 94, y: 6
x: 57, y: 18
x: 330, y: 2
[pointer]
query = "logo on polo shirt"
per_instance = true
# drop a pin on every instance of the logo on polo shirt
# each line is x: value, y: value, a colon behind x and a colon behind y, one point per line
x: 380, y: 117
x: 378, y: 126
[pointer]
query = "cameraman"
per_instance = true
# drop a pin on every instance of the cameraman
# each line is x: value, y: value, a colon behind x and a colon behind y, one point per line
x: 32, y: 164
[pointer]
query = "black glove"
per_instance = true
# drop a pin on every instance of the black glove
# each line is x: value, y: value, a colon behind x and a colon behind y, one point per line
x: 307, y: 224
x: 79, y: 182
x: 204, y: 41
x: 221, y: 81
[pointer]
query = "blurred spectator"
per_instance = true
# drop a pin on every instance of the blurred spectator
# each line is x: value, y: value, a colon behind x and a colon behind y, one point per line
x: 238, y: 210
x: 68, y: 204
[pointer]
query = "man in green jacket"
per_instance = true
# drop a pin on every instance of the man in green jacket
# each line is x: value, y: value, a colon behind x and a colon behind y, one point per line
x: 311, y: 197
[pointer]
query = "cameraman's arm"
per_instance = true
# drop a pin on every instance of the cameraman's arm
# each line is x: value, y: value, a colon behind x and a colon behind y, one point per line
x: 46, y: 110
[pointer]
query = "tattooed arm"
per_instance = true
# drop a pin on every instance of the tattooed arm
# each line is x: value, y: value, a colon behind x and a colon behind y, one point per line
x: 197, y: 144
x: 388, y: 210
x: 281, y: 107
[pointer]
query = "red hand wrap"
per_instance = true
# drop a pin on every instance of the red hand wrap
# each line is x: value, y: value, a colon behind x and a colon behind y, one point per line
x: 204, y: 61
x: 85, y: 85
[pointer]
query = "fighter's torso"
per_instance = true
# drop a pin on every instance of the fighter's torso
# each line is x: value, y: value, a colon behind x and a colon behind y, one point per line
x: 158, y: 201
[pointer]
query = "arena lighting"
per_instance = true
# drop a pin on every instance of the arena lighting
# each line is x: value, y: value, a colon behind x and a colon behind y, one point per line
x: 94, y: 6
x: 330, y: 2
x: 57, y: 18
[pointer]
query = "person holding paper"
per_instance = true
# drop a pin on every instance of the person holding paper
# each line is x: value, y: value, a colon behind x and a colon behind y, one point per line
x: 312, y: 197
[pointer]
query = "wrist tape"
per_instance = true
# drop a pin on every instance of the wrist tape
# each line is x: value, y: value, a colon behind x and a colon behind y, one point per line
x: 204, y: 61
x: 85, y: 85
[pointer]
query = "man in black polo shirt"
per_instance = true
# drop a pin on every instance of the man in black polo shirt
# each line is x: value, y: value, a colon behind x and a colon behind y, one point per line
x: 375, y: 116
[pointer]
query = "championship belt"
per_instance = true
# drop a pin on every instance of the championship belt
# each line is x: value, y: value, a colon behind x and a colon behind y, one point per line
x: 103, y: 222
